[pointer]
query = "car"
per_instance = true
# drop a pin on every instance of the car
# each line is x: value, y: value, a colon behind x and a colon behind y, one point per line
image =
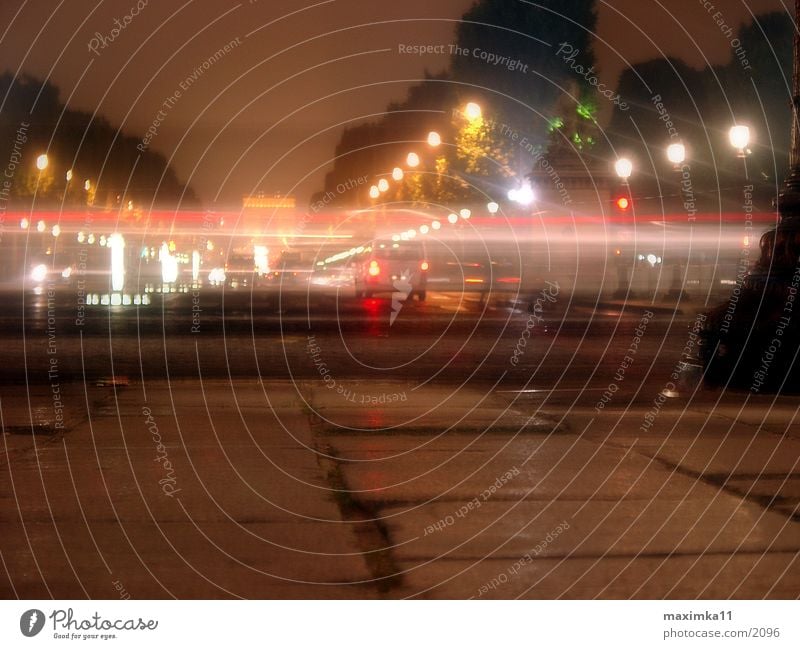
x: 388, y: 266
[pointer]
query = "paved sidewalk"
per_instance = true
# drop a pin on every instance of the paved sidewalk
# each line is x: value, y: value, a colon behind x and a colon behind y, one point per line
x: 281, y: 490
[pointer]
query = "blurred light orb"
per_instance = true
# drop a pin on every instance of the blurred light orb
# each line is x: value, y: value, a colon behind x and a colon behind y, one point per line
x: 436, y: 225
x: 473, y: 111
x: 624, y: 168
x: 42, y: 162
x: 452, y: 218
x: 24, y: 224
x: 383, y: 185
x: 412, y: 160
x: 434, y: 139
x: 56, y: 230
x: 493, y: 208
x: 374, y: 192
x: 39, y: 273
x: 40, y: 226
x: 465, y: 213
x: 676, y: 153
x: 397, y: 174
x: 424, y: 229
x: 739, y: 136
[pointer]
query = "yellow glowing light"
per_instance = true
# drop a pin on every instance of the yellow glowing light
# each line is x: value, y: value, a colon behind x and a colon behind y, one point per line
x: 473, y: 111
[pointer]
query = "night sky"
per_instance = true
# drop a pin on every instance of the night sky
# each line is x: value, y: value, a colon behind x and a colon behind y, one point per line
x: 267, y: 115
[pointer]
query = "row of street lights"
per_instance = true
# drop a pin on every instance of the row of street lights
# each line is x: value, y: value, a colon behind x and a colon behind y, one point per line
x: 43, y: 162
x: 739, y: 137
x: 472, y: 111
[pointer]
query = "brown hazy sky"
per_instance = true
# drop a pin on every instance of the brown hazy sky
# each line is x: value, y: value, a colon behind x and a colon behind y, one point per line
x: 268, y: 114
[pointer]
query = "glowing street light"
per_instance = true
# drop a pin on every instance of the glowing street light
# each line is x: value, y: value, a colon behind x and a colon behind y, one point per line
x: 383, y: 185
x: 524, y: 195
x: 56, y: 231
x: 24, y: 224
x: 493, y: 208
x: 739, y: 137
x: 624, y: 168
x: 676, y: 154
x: 397, y: 174
x: 434, y: 139
x: 412, y: 160
x: 436, y: 225
x: 87, y: 184
x: 42, y: 162
x: 41, y: 226
x: 374, y: 192
x: 117, y: 244
x: 69, y: 175
x: 465, y: 214
x: 452, y: 218
x: 473, y: 111
x: 39, y: 273
x: 169, y: 265
x: 424, y: 229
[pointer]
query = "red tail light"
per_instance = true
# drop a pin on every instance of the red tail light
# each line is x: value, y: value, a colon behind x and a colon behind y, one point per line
x: 374, y: 269
x: 424, y: 265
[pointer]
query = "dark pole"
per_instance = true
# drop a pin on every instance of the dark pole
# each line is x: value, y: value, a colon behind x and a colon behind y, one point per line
x: 789, y: 198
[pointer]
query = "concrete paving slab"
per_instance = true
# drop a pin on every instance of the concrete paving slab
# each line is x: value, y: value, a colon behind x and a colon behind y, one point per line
x: 458, y: 467
x: 626, y: 528
x: 708, y: 576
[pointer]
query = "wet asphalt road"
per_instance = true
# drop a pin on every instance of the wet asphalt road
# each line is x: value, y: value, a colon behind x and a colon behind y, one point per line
x: 450, y: 338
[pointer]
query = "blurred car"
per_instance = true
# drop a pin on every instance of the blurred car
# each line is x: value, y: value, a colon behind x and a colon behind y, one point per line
x: 292, y: 269
x: 392, y: 267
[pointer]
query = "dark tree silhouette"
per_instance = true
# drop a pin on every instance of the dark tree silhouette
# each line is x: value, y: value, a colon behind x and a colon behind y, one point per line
x: 33, y: 120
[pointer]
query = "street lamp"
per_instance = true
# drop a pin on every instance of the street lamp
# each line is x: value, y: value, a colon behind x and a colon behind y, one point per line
x: 69, y: 175
x: 524, y: 195
x: 493, y: 208
x: 434, y: 139
x: 473, y: 111
x: 383, y: 185
x: 452, y: 218
x: 374, y: 192
x: 739, y: 137
x: 42, y: 162
x: 465, y: 213
x: 676, y: 154
x: 412, y: 160
x: 624, y: 168
x: 397, y: 174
